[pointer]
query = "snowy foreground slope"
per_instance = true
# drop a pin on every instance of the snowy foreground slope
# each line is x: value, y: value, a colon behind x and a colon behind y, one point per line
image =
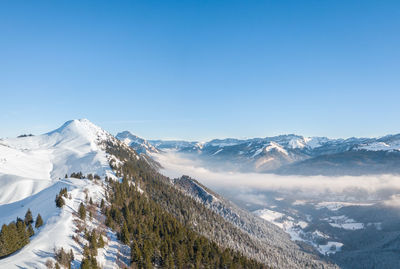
x: 32, y: 171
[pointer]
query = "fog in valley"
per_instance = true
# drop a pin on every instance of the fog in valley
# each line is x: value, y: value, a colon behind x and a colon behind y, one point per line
x: 249, y: 186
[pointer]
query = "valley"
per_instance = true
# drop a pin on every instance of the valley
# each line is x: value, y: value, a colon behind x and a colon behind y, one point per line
x: 352, y: 220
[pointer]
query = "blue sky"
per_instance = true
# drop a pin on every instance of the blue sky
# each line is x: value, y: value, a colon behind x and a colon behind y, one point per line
x: 201, y: 69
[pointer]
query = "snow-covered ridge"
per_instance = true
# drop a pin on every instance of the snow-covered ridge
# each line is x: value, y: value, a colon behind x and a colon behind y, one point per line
x: 30, y: 164
x: 32, y: 171
x: 275, y: 146
x: 377, y: 146
x: 139, y: 144
x: 75, y: 146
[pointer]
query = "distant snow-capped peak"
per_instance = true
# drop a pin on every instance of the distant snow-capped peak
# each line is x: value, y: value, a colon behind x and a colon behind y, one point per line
x: 139, y: 144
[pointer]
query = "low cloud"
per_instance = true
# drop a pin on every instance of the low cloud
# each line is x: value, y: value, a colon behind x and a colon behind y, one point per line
x: 371, y: 187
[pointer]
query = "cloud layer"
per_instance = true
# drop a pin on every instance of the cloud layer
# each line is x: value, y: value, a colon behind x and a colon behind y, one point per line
x: 374, y: 187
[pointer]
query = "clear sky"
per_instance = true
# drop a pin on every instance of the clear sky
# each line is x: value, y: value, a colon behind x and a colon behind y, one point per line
x: 201, y: 69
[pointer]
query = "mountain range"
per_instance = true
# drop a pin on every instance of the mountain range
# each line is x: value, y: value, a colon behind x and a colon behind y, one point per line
x: 87, y: 169
x: 285, y: 154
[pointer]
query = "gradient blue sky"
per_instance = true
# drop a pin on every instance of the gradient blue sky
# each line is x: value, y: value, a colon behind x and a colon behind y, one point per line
x: 202, y: 69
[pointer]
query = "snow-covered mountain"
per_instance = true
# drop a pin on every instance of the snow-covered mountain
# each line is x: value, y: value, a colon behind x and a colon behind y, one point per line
x: 140, y: 145
x: 293, y: 154
x: 33, y: 169
x: 39, y: 160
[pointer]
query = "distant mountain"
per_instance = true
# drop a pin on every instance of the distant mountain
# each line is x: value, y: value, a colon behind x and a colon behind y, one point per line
x: 140, y: 145
x: 172, y: 144
x: 292, y: 154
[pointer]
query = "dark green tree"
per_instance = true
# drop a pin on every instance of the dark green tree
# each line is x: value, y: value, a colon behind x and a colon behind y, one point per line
x: 60, y: 202
x: 39, y: 221
x: 28, y: 217
x: 100, y: 242
x: 125, y: 234
x: 30, y: 230
x: 82, y: 211
x: 23, y: 237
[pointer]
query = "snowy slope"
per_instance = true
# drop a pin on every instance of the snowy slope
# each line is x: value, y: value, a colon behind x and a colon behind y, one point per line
x: 35, y: 162
x: 32, y: 171
x: 140, y: 145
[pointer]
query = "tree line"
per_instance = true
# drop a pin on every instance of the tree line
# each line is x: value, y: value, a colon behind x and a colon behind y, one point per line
x: 16, y: 234
x: 158, y: 239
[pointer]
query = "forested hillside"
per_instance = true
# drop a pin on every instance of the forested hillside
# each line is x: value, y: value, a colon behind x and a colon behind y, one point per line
x: 197, y: 217
x: 158, y: 239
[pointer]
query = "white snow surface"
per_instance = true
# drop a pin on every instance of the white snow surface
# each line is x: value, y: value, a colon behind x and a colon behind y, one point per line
x: 295, y: 143
x: 30, y: 164
x: 268, y: 214
x: 32, y: 171
x: 344, y: 222
x: 330, y: 248
x: 377, y: 146
x: 315, y: 142
x: 287, y: 223
x: 218, y: 151
x: 275, y: 146
x: 336, y: 205
x: 295, y: 230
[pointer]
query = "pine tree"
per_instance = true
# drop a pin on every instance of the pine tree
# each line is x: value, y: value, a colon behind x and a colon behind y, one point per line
x: 93, y: 240
x: 85, y: 264
x: 82, y: 211
x: 22, y: 234
x: 39, y: 221
x: 3, y: 240
x: 11, y: 238
x: 135, y: 252
x: 100, y: 242
x: 125, y: 234
x: 60, y: 202
x: 30, y: 230
x: 28, y: 217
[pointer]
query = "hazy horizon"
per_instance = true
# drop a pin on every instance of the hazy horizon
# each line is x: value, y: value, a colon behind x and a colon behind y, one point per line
x: 25, y: 131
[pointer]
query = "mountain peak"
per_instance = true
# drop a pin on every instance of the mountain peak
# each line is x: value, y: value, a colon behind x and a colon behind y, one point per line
x: 77, y: 122
x: 79, y: 126
x: 79, y: 131
x: 139, y: 144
